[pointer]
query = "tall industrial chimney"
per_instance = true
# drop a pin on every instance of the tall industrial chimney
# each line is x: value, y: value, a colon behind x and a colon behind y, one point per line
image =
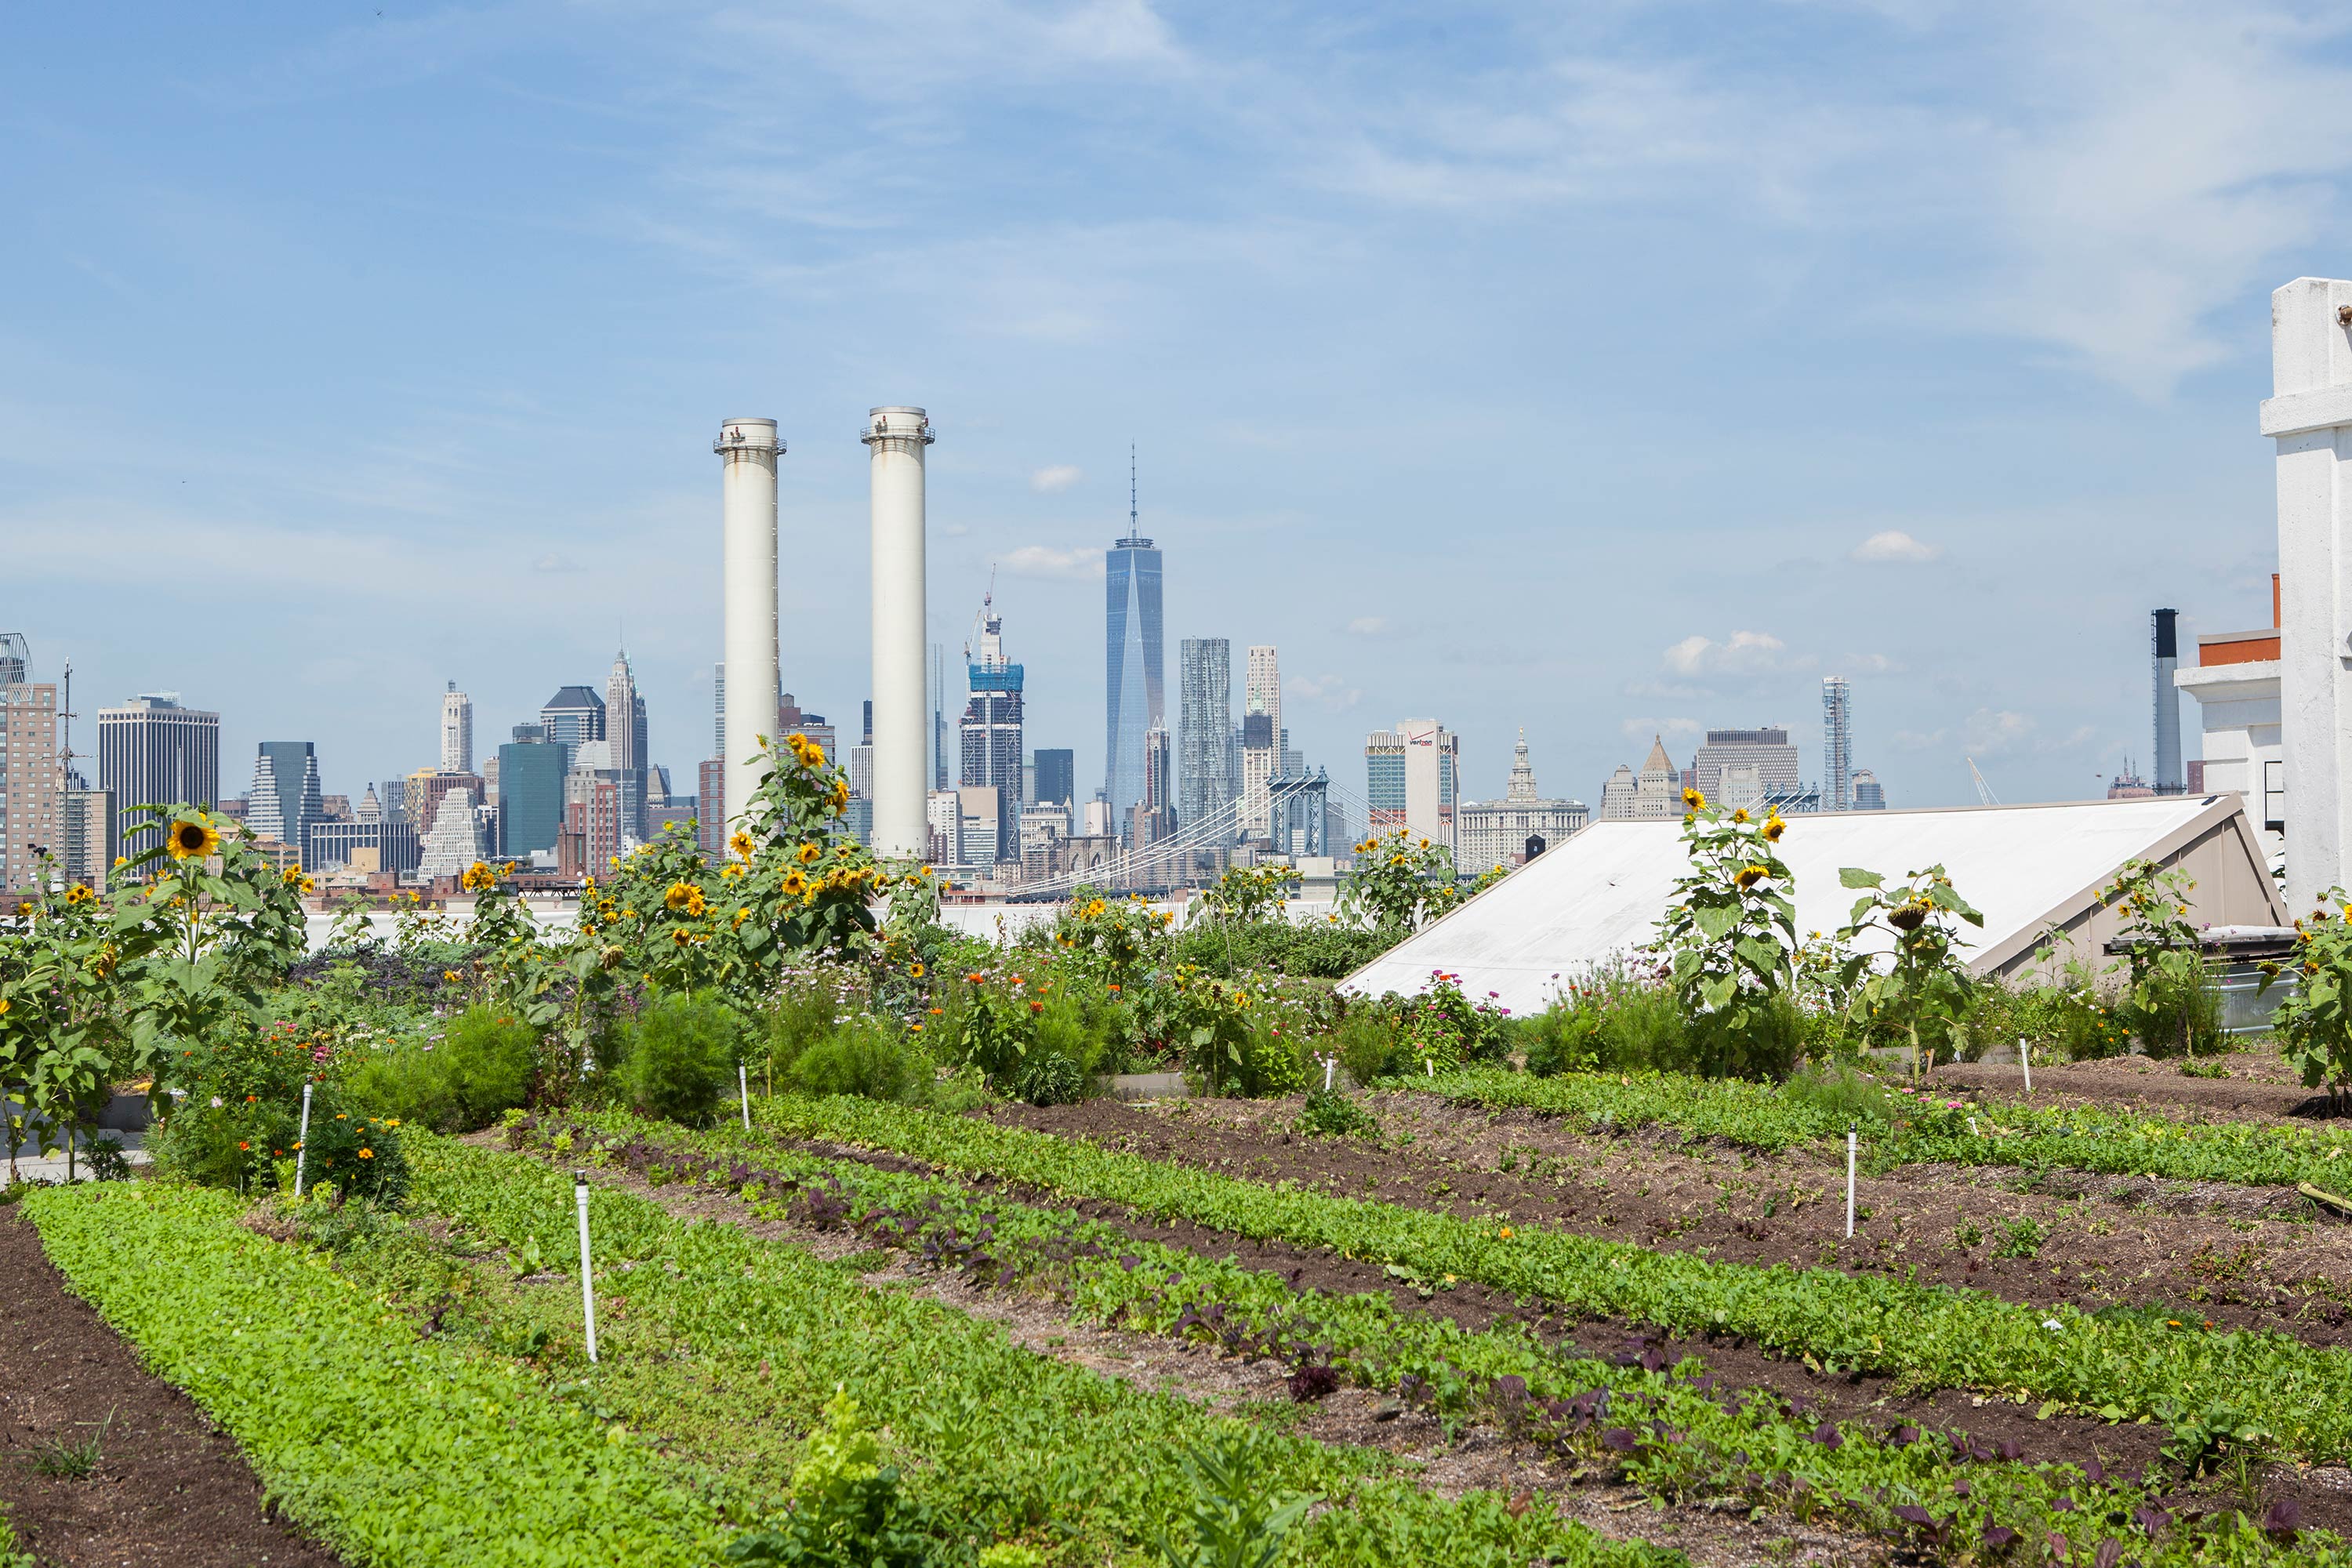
x: 902, y: 825
x: 2168, y: 705
x: 748, y: 449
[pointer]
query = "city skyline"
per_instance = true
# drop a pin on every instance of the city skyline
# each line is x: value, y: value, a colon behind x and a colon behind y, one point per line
x: 196, y: 208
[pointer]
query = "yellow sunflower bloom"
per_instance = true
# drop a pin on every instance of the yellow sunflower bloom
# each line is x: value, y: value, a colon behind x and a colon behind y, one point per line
x: 679, y: 896
x: 808, y: 852
x: 1693, y: 799
x: 1748, y: 876
x: 194, y: 838
x: 1774, y: 829
x: 740, y: 842
x: 794, y: 883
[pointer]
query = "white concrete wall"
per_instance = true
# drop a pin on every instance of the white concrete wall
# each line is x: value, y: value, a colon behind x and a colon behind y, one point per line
x: 2239, y: 711
x: 2311, y: 369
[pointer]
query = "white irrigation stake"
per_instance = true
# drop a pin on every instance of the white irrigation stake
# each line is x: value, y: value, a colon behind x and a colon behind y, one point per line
x: 743, y: 1082
x: 2025, y: 1061
x: 1328, y: 1062
x: 301, y: 1144
x: 1849, y: 1179
x: 587, y: 1279
x: 1431, y: 1063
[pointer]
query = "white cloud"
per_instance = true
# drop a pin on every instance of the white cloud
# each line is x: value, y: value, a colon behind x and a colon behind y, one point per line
x: 1043, y: 561
x: 1918, y: 741
x: 1369, y: 625
x: 1893, y: 544
x: 1329, y: 691
x: 1743, y: 653
x: 1054, y: 478
x: 1993, y: 733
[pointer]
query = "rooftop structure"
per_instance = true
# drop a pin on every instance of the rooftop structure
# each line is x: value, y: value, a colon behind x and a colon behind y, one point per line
x: 2030, y: 870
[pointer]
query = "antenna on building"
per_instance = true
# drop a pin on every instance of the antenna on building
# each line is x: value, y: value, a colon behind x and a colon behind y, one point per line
x: 1131, y: 530
x: 65, y: 724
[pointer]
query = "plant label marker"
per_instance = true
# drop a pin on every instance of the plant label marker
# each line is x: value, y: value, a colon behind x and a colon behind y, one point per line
x: 1328, y: 1062
x: 1431, y: 1063
x: 587, y: 1279
x: 1849, y: 1179
x: 2026, y: 1061
x: 302, y: 1143
x: 743, y: 1082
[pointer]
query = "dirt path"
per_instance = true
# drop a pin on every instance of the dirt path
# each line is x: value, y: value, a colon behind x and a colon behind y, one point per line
x: 2231, y: 1255
x: 169, y: 1490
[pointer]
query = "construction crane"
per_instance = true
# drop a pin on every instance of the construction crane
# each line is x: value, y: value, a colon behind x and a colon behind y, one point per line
x: 1984, y: 791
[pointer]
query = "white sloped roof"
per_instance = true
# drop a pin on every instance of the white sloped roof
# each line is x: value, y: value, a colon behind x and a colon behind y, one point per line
x: 2026, y: 868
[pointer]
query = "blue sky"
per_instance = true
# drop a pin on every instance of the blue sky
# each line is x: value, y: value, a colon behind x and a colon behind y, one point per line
x: 1554, y: 367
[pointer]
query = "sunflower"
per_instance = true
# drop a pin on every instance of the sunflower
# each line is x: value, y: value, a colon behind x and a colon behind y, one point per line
x: 740, y: 916
x: 1774, y: 829
x: 809, y: 852
x: 1748, y: 876
x: 194, y: 838
x: 740, y: 842
x: 794, y: 883
x: 292, y: 874
x: 306, y: 885
x: 78, y: 894
x: 1694, y: 800
x: 916, y: 971
x: 1740, y: 814
x: 679, y: 896
x: 479, y: 879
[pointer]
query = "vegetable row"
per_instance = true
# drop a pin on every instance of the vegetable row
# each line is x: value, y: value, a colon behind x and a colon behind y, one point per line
x: 1670, y: 1430
x: 2116, y: 1367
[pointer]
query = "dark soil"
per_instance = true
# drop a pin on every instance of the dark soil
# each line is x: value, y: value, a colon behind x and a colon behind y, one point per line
x: 170, y: 1488
x: 2213, y: 1253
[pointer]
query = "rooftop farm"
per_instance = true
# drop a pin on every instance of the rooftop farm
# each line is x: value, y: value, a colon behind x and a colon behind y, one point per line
x: 761, y: 1218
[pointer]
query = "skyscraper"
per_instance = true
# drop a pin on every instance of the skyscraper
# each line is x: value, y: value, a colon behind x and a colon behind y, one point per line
x: 456, y: 731
x: 1205, y: 730
x: 624, y: 726
x: 1057, y: 775
x: 530, y: 796
x: 573, y: 716
x: 284, y: 800
x: 1837, y: 744
x: 1261, y: 743
x: 1750, y: 768
x: 719, y: 704
x: 990, y: 728
x: 32, y: 789
x: 1155, y: 814
x: 1411, y: 779
x: 151, y: 751
x: 1133, y: 693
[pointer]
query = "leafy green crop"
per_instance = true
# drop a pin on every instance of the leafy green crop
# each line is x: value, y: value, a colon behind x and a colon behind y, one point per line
x: 1760, y: 1116
x: 1926, y: 1337
x: 1687, y: 1439
x: 385, y: 1446
x: 1011, y: 1442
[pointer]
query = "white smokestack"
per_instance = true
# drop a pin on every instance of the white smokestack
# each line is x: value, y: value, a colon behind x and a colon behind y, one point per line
x: 749, y: 448
x: 901, y: 823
